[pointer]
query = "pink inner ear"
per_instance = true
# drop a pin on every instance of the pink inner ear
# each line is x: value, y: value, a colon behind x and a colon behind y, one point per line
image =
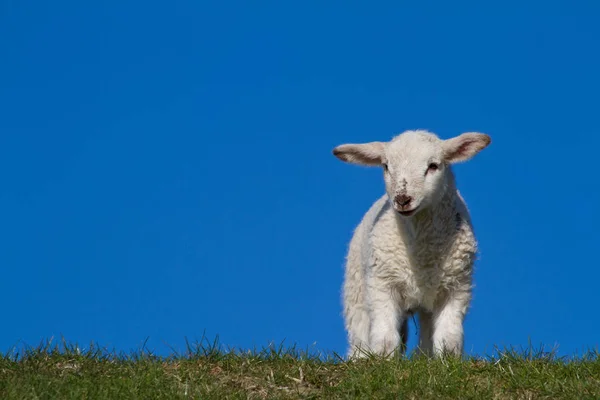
x: 463, y: 149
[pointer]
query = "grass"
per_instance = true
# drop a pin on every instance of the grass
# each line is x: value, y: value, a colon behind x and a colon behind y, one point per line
x: 63, y: 371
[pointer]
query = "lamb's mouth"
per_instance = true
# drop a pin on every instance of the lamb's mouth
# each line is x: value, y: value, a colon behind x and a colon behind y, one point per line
x: 407, y: 213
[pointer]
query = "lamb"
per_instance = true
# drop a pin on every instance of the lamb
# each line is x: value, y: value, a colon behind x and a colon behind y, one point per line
x: 413, y: 251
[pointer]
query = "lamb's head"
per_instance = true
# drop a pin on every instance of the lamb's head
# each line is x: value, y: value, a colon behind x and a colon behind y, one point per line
x: 415, y: 164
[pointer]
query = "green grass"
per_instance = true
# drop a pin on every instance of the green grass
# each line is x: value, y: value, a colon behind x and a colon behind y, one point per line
x: 61, y: 371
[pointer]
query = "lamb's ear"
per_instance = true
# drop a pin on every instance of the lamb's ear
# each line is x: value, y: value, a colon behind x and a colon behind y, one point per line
x: 465, y: 146
x: 362, y: 154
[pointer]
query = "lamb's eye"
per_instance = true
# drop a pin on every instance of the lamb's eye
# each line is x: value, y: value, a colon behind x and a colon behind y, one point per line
x: 433, y: 167
x: 385, y: 166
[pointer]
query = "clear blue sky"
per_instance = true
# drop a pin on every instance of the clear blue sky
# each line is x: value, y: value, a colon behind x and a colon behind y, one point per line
x: 167, y: 168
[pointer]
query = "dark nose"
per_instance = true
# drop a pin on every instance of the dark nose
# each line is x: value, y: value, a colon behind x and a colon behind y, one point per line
x: 402, y: 200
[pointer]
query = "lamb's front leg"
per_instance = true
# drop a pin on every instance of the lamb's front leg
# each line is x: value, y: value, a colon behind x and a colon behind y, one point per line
x: 385, y: 318
x: 448, y: 335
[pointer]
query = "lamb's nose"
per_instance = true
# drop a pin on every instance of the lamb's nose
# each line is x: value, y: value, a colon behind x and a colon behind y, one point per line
x: 402, y: 200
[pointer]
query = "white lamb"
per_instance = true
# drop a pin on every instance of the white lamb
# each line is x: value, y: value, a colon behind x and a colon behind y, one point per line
x: 414, y: 249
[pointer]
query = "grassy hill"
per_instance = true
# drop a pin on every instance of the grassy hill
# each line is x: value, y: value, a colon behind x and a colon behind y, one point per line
x: 64, y: 372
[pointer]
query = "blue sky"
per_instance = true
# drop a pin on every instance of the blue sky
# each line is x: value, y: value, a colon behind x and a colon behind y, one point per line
x: 167, y: 169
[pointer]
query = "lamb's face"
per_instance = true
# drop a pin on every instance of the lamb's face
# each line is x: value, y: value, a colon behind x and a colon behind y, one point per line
x: 415, y: 164
x: 414, y: 171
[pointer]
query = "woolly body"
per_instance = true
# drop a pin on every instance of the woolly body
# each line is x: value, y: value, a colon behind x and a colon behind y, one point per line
x: 398, y: 265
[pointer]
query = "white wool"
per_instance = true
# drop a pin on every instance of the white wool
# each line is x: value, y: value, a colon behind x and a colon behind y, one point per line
x: 413, y: 251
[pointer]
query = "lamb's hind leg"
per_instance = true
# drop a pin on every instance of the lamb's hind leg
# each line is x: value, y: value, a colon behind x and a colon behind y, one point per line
x: 425, y: 333
x: 357, y: 324
x: 356, y: 315
x: 404, y: 336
